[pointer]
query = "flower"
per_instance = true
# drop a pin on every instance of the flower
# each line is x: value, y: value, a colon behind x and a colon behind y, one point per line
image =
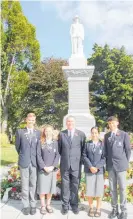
x: 14, y: 189
x: 10, y: 180
x: 118, y: 133
x: 106, y: 194
x: 14, y: 176
x: 105, y: 186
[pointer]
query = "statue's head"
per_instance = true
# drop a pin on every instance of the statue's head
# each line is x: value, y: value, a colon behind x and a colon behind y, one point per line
x: 76, y: 19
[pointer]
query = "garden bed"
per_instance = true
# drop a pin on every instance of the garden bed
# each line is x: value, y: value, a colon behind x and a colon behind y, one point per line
x: 13, y: 182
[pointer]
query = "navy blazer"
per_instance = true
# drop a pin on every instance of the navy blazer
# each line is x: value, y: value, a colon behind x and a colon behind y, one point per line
x: 95, y: 159
x: 71, y: 151
x: 117, y: 152
x: 47, y: 155
x: 26, y: 149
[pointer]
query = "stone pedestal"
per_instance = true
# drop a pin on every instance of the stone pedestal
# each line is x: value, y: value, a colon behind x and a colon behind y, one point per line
x: 76, y: 61
x: 78, y: 75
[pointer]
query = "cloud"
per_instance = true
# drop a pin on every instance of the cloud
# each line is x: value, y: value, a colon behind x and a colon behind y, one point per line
x: 108, y: 22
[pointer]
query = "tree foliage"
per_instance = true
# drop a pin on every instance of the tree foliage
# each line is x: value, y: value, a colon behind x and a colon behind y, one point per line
x: 111, y: 88
x: 47, y: 94
x: 20, y: 54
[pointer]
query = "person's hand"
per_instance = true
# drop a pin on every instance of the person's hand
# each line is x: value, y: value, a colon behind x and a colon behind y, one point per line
x: 93, y: 169
x: 51, y: 168
x: 46, y: 169
x: 96, y: 170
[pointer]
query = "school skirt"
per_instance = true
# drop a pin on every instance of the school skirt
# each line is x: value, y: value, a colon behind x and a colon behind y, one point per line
x: 46, y: 183
x: 94, y: 185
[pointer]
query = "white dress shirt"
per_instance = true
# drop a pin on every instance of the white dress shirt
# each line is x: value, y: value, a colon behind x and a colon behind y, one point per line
x: 114, y: 132
x: 71, y: 133
x: 30, y: 130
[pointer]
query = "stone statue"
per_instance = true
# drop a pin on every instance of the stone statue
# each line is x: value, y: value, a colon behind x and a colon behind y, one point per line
x: 77, y: 37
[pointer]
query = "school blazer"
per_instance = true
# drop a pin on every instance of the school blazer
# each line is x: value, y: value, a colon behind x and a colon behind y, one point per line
x: 117, y: 152
x: 95, y: 159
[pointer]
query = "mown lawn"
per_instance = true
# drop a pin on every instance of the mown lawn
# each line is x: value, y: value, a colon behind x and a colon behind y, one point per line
x: 8, y: 155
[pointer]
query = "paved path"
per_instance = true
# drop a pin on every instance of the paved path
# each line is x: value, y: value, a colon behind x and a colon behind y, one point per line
x: 12, y: 210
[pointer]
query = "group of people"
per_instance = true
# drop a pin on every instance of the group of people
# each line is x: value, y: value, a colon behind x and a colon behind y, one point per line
x: 41, y: 153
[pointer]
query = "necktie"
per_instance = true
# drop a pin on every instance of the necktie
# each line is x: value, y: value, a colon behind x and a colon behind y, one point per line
x: 70, y: 135
x: 94, y: 147
x: 113, y: 137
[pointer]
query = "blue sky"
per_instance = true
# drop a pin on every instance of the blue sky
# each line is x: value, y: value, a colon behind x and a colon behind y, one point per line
x: 52, y: 32
x: 104, y: 22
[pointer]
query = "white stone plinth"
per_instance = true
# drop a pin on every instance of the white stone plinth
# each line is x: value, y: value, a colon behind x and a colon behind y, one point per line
x: 77, y: 62
x: 78, y: 96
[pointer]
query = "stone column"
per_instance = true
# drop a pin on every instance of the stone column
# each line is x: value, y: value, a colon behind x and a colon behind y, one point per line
x: 78, y: 75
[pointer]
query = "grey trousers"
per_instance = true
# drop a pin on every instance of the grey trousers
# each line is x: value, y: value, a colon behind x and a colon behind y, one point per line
x: 69, y: 188
x: 28, y: 182
x: 120, y: 178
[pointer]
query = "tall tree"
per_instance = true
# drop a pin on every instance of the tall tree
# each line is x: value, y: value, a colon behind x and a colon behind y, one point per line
x: 111, y: 88
x: 47, y: 94
x: 20, y: 54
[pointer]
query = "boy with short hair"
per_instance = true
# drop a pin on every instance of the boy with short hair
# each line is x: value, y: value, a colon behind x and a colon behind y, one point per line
x: 26, y: 146
x: 117, y: 152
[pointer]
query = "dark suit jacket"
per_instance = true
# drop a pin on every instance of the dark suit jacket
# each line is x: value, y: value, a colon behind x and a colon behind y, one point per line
x: 47, y: 156
x: 95, y: 159
x: 27, y: 150
x: 118, y: 152
x: 71, y: 151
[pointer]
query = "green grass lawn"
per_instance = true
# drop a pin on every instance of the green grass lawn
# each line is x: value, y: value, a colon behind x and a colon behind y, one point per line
x: 8, y: 155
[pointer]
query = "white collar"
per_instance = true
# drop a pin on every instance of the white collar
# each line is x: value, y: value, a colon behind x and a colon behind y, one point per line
x: 72, y: 130
x: 30, y: 129
x: 49, y: 141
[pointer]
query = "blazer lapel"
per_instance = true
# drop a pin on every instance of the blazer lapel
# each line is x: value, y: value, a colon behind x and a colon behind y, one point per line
x: 75, y: 137
x: 118, y: 133
x: 98, y: 147
x: 34, y: 136
x: 26, y: 134
x: 117, y: 137
x: 109, y: 139
x: 91, y: 146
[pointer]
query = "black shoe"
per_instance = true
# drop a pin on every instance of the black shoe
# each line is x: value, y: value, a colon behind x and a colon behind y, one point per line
x: 64, y: 211
x: 114, y: 213
x: 33, y: 211
x: 123, y: 215
x: 26, y: 211
x: 75, y: 210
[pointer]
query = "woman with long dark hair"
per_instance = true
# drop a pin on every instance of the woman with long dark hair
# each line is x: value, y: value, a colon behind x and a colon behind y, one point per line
x: 94, y: 161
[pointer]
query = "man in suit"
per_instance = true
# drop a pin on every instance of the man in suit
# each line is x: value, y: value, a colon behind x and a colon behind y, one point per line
x: 71, y: 144
x: 117, y: 152
x: 26, y: 146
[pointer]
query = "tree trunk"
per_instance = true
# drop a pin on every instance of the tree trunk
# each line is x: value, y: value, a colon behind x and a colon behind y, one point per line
x: 5, y: 101
x: 5, y: 119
